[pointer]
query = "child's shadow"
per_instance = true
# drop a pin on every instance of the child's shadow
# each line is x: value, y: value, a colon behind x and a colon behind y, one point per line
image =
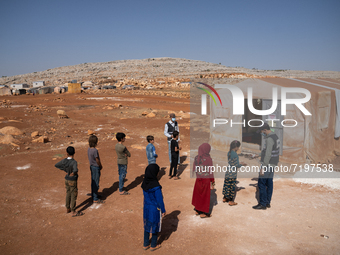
x: 181, y: 169
x: 102, y: 195
x: 169, y: 225
x: 257, y: 192
x: 237, y: 189
x: 213, y: 200
x: 183, y: 158
x: 138, y: 180
x: 86, y: 204
x: 108, y: 191
x: 161, y: 173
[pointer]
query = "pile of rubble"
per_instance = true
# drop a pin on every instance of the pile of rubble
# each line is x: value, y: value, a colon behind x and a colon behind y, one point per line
x: 13, y: 136
x: 151, y: 114
x: 37, y: 138
x: 112, y: 106
x: 37, y: 108
x: 6, y: 103
x: 179, y: 83
x: 161, y: 93
x: 7, y: 133
x: 58, y: 99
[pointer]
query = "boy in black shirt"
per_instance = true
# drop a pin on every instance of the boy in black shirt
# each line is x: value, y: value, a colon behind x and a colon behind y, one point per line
x: 174, y: 155
x: 69, y: 165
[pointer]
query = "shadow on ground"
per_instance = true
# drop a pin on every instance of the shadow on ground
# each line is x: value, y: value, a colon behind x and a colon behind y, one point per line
x: 169, y: 225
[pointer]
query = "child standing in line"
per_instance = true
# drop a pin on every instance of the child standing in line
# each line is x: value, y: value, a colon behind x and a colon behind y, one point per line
x: 151, y: 150
x: 174, y: 155
x: 122, y: 161
x: 69, y: 165
x: 95, y: 167
x: 229, y: 187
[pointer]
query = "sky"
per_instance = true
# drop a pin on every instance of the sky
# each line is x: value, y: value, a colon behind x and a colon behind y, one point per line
x: 296, y: 35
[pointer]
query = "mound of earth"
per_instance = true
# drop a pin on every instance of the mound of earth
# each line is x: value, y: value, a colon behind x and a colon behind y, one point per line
x: 9, y: 130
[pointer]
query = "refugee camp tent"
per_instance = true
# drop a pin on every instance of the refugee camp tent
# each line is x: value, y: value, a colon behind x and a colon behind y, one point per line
x: 87, y: 84
x: 128, y: 87
x: 4, y: 91
x: 109, y: 87
x: 33, y: 90
x: 46, y: 90
x: 57, y: 90
x: 314, y: 138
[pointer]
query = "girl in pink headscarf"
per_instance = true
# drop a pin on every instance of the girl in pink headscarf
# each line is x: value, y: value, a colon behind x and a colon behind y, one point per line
x: 204, y: 181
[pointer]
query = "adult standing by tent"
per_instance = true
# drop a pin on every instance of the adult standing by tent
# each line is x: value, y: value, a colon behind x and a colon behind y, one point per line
x: 204, y: 181
x: 153, y: 207
x: 169, y: 128
x: 269, y: 159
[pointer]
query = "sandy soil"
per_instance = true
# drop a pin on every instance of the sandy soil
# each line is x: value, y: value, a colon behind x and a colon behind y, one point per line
x: 33, y: 216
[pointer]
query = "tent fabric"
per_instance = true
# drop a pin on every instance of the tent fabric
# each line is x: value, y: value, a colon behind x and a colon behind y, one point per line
x: 319, y: 145
x: 337, y: 102
x: 57, y: 90
x: 313, y: 137
x: 5, y: 91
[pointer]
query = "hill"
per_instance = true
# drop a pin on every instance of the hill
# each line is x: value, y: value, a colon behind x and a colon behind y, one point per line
x: 153, y: 69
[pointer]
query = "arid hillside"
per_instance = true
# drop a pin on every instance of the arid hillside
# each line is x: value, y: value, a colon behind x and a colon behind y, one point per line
x: 154, y: 71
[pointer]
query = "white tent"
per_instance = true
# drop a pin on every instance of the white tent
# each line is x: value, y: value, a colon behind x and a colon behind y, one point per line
x: 315, y: 137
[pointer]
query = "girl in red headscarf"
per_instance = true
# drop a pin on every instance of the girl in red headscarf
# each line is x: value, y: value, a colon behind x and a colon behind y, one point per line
x: 204, y: 181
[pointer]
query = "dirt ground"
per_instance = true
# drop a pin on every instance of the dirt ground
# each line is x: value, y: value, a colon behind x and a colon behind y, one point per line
x: 33, y: 215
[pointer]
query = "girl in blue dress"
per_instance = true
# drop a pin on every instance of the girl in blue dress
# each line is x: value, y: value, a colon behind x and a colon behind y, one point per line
x: 153, y: 209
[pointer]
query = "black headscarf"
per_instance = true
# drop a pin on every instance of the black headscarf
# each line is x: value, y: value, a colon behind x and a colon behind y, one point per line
x: 150, y: 179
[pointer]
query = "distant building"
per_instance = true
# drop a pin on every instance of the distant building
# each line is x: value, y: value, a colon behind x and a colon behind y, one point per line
x: 20, y: 86
x: 38, y: 84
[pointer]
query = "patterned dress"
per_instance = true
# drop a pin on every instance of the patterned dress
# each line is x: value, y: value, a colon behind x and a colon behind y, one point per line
x: 229, y: 187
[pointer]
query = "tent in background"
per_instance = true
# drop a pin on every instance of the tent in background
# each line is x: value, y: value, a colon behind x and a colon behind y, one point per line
x: 4, y: 91
x: 315, y: 137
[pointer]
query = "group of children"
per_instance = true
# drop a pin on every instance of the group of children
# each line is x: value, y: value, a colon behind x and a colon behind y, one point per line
x: 69, y: 165
x: 153, y: 199
x: 154, y: 208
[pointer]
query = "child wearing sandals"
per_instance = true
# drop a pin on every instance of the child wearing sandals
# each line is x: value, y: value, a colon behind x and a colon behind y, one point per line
x: 95, y: 167
x: 122, y: 161
x: 69, y: 165
x: 229, y: 187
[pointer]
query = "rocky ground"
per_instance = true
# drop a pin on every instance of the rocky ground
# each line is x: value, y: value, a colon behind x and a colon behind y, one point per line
x: 303, y: 219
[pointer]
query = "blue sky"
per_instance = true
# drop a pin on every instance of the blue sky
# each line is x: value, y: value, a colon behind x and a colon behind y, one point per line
x: 299, y: 35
